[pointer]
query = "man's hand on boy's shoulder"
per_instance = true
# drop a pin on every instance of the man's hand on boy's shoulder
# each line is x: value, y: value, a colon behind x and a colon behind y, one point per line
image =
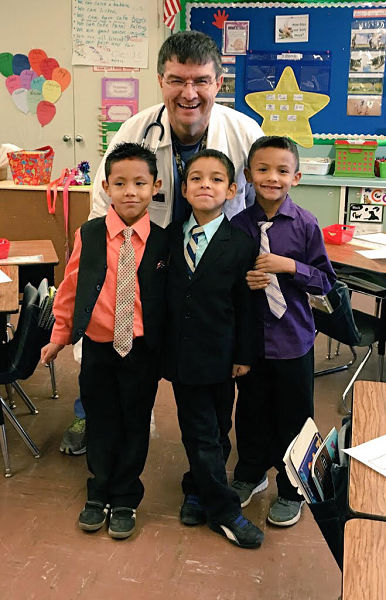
x: 240, y: 370
x: 274, y: 263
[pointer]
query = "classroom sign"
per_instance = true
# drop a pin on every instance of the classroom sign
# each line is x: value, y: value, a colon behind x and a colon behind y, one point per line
x: 35, y: 82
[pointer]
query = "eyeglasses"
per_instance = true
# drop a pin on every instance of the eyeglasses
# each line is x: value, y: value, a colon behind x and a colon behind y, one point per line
x: 198, y: 84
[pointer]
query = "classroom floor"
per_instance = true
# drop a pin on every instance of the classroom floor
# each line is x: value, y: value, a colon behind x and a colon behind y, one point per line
x: 43, y: 554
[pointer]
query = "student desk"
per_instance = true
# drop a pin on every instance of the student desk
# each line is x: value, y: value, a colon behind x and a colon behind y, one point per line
x: 33, y: 271
x: 364, y: 560
x: 363, y: 275
x: 367, y: 488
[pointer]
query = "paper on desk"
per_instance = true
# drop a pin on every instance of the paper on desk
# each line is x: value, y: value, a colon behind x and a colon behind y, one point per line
x: 376, y: 238
x: 372, y: 454
x: 4, y: 278
x: 16, y: 260
x: 379, y: 253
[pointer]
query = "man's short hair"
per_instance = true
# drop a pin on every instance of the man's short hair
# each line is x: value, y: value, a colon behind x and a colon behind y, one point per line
x: 274, y: 141
x: 130, y: 151
x: 190, y: 47
x: 211, y: 153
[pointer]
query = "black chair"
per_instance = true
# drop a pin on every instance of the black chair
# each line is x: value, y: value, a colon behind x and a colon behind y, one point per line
x: 19, y: 358
x: 349, y: 326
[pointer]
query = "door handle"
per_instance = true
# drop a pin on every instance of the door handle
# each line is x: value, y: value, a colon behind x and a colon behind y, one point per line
x: 66, y: 138
x: 79, y: 138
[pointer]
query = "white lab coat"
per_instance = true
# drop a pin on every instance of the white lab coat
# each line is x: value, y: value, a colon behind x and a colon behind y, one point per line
x: 229, y: 130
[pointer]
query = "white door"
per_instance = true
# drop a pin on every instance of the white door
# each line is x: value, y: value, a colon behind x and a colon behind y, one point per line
x: 47, y: 25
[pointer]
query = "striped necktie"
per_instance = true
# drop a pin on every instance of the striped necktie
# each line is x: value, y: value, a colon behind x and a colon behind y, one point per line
x: 125, y: 296
x: 275, y: 298
x: 191, y: 248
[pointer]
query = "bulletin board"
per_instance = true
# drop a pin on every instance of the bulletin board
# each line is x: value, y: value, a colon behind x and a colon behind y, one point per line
x: 330, y: 26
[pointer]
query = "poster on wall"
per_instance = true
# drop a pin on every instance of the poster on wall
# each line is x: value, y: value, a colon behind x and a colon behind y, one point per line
x: 235, y: 37
x: 110, y: 33
x: 367, y: 68
x: 291, y: 28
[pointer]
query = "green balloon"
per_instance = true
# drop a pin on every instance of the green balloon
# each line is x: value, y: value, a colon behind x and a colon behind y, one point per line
x: 6, y: 64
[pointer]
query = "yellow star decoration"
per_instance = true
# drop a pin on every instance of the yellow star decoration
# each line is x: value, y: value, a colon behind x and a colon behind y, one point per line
x: 286, y: 109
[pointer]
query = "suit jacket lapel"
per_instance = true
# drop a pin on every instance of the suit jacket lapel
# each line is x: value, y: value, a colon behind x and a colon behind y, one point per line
x: 215, y: 249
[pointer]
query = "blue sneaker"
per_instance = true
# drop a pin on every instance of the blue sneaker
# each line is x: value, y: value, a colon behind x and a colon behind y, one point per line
x: 240, y: 532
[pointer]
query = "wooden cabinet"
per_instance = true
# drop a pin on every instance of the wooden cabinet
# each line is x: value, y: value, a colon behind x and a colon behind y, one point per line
x: 24, y: 216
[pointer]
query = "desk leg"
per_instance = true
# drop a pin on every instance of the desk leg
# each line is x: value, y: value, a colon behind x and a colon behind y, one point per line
x: 381, y: 343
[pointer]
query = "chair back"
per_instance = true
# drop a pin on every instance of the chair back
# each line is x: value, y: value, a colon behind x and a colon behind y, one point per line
x: 340, y: 323
x: 24, y: 348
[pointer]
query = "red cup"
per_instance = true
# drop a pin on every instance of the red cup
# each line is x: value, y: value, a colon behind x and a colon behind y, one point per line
x: 4, y: 248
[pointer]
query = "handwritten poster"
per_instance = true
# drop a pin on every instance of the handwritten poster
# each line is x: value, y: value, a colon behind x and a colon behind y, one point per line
x: 110, y: 33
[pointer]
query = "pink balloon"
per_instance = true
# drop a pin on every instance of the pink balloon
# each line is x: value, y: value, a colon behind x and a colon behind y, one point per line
x: 26, y: 77
x: 45, y: 112
x: 47, y: 66
x: 13, y: 83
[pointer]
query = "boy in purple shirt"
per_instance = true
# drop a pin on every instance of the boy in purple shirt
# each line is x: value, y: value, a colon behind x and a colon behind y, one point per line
x: 276, y: 396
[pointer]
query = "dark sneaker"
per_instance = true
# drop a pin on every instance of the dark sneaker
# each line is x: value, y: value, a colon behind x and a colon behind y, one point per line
x: 191, y: 512
x: 245, y: 490
x: 240, y: 532
x: 285, y: 512
x: 122, y: 522
x: 74, y: 438
x: 93, y: 516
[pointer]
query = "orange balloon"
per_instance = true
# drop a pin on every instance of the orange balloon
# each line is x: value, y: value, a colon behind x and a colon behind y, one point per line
x: 62, y: 77
x: 36, y: 57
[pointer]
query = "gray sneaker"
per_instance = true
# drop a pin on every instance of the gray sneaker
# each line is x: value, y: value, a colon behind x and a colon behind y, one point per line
x: 74, y: 438
x: 245, y: 490
x: 285, y: 512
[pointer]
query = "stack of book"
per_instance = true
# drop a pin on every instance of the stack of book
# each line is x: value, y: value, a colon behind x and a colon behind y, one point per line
x: 46, y: 316
x: 308, y: 462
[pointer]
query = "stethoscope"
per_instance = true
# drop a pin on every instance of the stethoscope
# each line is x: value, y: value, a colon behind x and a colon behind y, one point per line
x: 156, y: 123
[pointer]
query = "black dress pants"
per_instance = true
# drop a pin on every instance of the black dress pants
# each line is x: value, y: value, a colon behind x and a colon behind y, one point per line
x: 118, y: 396
x: 274, y: 401
x: 205, y: 418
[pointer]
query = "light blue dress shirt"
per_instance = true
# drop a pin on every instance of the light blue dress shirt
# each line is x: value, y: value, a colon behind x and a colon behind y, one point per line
x: 203, y: 240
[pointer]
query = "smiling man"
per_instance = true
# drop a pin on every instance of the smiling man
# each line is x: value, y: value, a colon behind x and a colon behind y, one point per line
x: 190, y: 75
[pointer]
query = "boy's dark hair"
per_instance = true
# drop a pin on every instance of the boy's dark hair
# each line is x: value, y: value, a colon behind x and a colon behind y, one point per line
x: 210, y: 153
x: 274, y: 141
x: 128, y: 150
x: 189, y: 47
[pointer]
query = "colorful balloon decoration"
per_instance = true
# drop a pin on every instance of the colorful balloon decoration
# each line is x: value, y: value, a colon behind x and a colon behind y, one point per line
x: 34, y: 82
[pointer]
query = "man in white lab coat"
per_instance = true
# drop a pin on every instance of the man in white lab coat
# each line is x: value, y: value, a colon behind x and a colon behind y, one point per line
x: 190, y: 75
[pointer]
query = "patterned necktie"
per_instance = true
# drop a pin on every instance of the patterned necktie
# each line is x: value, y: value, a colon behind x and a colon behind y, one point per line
x: 275, y: 298
x: 191, y: 248
x: 125, y: 296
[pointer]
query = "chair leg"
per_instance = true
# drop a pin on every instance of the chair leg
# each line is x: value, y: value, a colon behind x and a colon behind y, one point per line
x: 4, y: 449
x: 23, y: 434
x: 354, y: 377
x: 23, y: 396
x: 341, y: 367
x: 329, y: 345
x: 381, y: 360
x: 10, y: 398
x: 51, y: 366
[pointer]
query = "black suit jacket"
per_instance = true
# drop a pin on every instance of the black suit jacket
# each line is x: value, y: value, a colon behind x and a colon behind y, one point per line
x: 151, y: 276
x: 210, y: 322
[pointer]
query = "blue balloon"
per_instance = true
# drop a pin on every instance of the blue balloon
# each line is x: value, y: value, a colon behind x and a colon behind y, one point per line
x: 19, y: 63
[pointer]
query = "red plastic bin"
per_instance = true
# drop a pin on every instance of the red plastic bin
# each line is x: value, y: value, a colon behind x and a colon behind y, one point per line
x: 338, y: 234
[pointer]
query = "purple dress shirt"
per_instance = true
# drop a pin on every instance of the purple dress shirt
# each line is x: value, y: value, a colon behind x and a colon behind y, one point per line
x: 295, y: 233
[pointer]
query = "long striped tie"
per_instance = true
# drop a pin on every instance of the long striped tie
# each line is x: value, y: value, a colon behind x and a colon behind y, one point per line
x: 275, y: 298
x: 191, y: 248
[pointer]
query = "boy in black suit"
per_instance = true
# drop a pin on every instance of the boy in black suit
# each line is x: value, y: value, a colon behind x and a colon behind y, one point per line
x: 209, y: 341
x: 113, y: 294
